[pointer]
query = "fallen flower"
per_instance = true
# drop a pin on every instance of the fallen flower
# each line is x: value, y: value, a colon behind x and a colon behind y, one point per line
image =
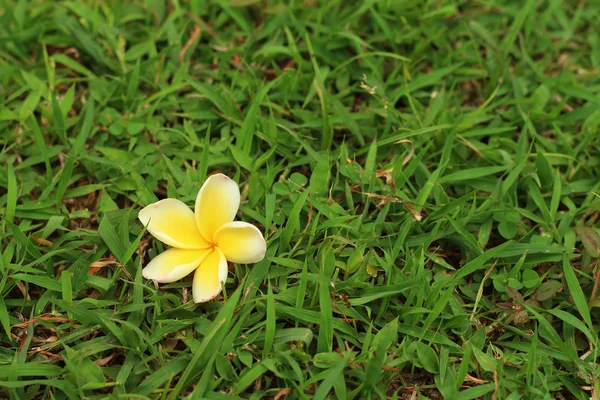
x: 203, y: 240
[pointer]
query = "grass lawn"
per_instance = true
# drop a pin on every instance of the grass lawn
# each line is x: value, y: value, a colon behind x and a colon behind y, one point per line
x: 426, y: 175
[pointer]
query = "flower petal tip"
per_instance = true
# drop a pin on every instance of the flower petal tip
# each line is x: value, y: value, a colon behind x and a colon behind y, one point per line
x: 219, y: 175
x: 204, y: 300
x: 159, y: 279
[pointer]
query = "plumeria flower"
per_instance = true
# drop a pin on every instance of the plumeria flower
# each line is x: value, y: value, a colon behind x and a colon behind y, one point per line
x: 202, y: 241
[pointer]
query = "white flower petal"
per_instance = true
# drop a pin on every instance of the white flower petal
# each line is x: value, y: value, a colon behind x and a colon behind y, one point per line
x: 241, y: 242
x: 217, y: 203
x: 174, y: 264
x: 173, y: 223
x: 209, y: 277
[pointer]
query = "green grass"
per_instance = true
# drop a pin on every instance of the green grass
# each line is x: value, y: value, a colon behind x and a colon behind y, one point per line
x: 426, y: 173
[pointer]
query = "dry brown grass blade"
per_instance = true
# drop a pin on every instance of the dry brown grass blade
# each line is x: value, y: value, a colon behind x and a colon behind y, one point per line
x: 193, y: 37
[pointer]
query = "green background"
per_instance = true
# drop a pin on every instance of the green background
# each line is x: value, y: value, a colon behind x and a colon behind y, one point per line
x: 426, y: 174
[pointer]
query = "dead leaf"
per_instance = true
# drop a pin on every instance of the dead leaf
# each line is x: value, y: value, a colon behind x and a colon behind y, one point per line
x: 282, y: 393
